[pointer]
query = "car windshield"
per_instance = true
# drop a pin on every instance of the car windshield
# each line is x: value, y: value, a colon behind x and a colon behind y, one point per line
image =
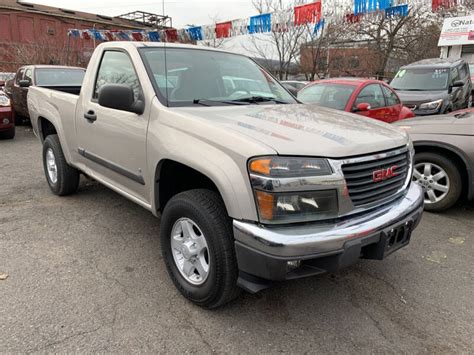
x: 59, y: 77
x: 188, y: 77
x: 421, y: 79
x: 327, y: 94
x: 471, y: 69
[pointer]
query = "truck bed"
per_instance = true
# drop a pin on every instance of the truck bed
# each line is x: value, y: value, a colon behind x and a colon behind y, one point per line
x: 75, y: 90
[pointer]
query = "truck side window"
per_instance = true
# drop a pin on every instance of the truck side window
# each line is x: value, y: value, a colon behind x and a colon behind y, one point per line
x: 117, y: 68
x: 19, y: 76
x: 28, y: 75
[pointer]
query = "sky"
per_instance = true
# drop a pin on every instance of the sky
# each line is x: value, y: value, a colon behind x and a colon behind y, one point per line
x: 182, y: 12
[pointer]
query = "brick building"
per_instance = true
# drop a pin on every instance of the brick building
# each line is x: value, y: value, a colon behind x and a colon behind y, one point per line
x: 351, y: 58
x: 37, y: 34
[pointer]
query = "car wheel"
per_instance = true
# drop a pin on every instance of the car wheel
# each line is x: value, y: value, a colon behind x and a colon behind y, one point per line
x: 62, y: 178
x: 198, y: 248
x: 10, y: 134
x: 440, y: 180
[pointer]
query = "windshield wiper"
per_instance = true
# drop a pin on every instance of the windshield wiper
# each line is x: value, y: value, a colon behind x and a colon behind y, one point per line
x: 256, y: 99
x: 205, y: 102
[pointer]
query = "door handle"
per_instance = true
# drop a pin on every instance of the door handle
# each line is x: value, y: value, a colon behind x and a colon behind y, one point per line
x: 90, y: 116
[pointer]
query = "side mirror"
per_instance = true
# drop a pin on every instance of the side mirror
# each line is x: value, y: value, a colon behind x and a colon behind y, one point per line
x: 457, y: 84
x: 24, y: 83
x: 362, y: 107
x: 120, y: 97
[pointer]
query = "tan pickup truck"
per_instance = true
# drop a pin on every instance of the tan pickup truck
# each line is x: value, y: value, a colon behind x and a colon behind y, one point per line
x: 253, y: 187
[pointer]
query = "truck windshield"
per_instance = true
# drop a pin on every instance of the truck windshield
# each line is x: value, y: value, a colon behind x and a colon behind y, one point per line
x: 421, y: 79
x: 188, y: 77
x: 59, y: 77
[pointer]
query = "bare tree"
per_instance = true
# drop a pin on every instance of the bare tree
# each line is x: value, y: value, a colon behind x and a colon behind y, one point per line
x: 215, y: 42
x: 282, y: 44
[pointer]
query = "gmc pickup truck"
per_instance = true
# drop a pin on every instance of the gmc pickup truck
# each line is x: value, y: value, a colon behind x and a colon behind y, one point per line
x: 252, y: 186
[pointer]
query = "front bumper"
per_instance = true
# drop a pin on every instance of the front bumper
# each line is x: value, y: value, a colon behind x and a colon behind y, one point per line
x: 264, y: 252
x: 6, y: 118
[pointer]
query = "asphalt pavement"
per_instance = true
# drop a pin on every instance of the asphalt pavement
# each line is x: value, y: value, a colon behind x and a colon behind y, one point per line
x: 84, y: 273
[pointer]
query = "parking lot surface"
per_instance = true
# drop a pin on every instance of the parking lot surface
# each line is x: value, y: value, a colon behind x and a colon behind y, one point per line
x: 85, y: 274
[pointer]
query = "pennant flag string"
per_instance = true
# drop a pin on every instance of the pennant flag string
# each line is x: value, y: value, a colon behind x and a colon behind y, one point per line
x: 317, y: 14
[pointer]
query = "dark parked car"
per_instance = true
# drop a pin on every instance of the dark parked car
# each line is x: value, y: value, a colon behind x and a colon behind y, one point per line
x: 444, y: 157
x: 50, y: 76
x: 434, y: 86
x: 7, y: 120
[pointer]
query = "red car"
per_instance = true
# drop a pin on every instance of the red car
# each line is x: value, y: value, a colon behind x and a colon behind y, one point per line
x: 7, y: 120
x: 371, y: 98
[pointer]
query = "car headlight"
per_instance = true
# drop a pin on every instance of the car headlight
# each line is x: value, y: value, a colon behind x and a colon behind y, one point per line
x: 4, y: 100
x: 434, y: 105
x: 291, y: 189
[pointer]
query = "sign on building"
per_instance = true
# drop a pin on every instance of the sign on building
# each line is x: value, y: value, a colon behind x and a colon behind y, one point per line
x: 457, y: 31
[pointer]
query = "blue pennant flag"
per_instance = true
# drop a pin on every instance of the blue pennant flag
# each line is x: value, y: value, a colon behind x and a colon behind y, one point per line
x: 365, y: 6
x: 195, y: 33
x: 318, y: 27
x: 400, y: 10
x: 97, y: 35
x: 154, y: 36
x: 260, y: 23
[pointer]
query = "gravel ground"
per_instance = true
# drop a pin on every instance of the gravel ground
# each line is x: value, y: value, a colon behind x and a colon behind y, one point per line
x: 85, y: 274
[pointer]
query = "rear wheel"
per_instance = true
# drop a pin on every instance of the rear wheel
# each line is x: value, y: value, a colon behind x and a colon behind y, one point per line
x: 10, y: 134
x: 198, y: 248
x: 62, y: 178
x: 440, y: 179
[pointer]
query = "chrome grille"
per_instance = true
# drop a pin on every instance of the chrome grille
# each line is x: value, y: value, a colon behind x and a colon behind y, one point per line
x: 359, y: 177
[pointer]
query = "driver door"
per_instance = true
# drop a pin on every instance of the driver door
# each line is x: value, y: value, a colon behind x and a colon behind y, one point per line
x: 372, y: 94
x: 111, y: 142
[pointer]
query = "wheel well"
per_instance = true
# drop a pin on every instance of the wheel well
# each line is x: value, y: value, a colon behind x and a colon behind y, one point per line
x: 46, y: 128
x: 172, y: 178
x: 453, y: 156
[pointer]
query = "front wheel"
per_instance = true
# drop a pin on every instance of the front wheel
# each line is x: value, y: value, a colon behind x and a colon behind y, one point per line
x: 440, y: 180
x: 198, y: 248
x: 62, y: 178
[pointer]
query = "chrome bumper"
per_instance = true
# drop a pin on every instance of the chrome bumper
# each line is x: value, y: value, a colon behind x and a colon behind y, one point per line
x: 313, y: 239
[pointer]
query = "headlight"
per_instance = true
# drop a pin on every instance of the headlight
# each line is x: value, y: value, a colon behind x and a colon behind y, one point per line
x: 434, y: 105
x: 274, y: 181
x: 289, y: 167
x: 4, y: 100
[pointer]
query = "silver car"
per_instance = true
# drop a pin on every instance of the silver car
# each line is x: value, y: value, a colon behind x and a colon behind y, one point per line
x: 444, y: 157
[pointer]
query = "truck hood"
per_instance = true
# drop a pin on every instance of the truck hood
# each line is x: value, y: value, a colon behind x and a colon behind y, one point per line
x: 303, y: 129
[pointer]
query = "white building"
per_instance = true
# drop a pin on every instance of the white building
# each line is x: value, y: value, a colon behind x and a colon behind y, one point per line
x: 457, y: 38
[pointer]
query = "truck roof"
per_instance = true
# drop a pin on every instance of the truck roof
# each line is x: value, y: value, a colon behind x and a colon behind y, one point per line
x: 130, y: 44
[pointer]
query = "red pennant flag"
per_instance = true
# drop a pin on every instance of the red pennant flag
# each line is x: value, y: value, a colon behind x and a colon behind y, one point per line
x: 171, y: 35
x: 442, y: 4
x: 137, y: 36
x: 309, y: 13
x: 85, y: 34
x: 109, y: 36
x: 223, y: 29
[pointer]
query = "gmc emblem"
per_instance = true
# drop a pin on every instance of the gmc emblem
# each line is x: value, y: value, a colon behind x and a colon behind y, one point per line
x: 384, y: 174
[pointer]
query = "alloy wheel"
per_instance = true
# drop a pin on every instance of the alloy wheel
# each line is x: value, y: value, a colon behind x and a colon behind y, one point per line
x: 433, y: 179
x: 190, y: 251
x: 51, y: 166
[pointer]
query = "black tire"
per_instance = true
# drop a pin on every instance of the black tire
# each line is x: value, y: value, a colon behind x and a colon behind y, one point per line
x: 207, y: 210
x: 455, y: 185
x: 67, y: 176
x: 10, y: 134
